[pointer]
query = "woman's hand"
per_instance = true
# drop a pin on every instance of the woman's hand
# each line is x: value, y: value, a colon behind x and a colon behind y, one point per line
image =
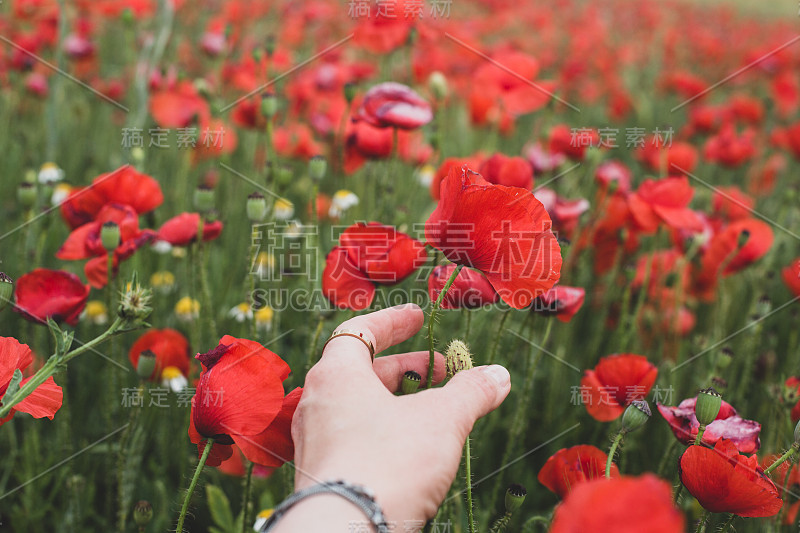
x: 407, y: 449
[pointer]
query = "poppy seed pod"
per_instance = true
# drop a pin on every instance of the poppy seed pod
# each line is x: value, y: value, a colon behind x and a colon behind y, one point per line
x: 635, y: 415
x: 411, y: 382
x: 204, y: 198
x: 269, y: 45
x: 457, y: 357
x: 269, y: 105
x: 349, y: 92
x: 256, y: 207
x: 6, y: 289
x: 708, y: 405
x: 26, y: 195
x: 142, y: 513
x: 515, y: 496
x: 146, y: 364
x: 110, y: 235
x: 317, y: 166
x: 438, y: 85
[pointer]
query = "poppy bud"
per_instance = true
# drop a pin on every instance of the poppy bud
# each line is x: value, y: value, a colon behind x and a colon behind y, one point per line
x: 744, y: 236
x: 6, y: 289
x: 142, y: 513
x: 438, y: 85
x: 26, y: 194
x: 137, y: 155
x: 257, y: 54
x: 725, y: 357
x: 204, y: 198
x: 515, y: 495
x: 269, y: 45
x: 134, y: 303
x: 317, y: 167
x: 457, y: 357
x: 256, y: 207
x: 146, y: 364
x: 109, y: 236
x: 349, y: 92
x: 763, y: 306
x: 269, y: 105
x: 708, y: 405
x: 635, y: 415
x: 411, y: 382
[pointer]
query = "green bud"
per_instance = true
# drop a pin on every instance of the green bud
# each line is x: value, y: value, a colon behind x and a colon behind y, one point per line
x: 204, y: 198
x: 515, y: 495
x: 349, y: 92
x: 269, y: 105
x: 724, y: 358
x: 26, y: 195
x: 110, y: 236
x: 411, y: 382
x: 6, y: 290
x: 134, y: 303
x: 708, y: 405
x: 256, y: 207
x: 127, y: 16
x: 146, y: 364
x: 437, y: 83
x: 744, y: 236
x: 283, y: 175
x: 317, y: 167
x: 142, y: 513
x: 635, y: 415
x: 763, y: 306
x: 457, y: 357
x: 269, y: 45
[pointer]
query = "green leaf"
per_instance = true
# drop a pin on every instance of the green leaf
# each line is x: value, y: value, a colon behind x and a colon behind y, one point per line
x: 13, y: 387
x: 220, y: 508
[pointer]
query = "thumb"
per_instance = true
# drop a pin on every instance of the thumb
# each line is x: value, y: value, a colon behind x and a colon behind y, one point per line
x: 472, y: 394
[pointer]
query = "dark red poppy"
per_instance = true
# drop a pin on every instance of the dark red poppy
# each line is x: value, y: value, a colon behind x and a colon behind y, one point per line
x: 238, y: 398
x: 394, y: 105
x: 615, y: 382
x: 384, y: 254
x: 344, y: 284
x: 728, y: 425
x: 664, y: 201
x: 509, y: 171
x: 504, y: 232
x: 791, y: 276
x: 182, y: 230
x: 45, y: 399
x: 570, y: 467
x: 561, y: 301
x: 170, y: 348
x: 724, y: 481
x: 623, y: 505
x: 124, y: 186
x: 56, y: 294
x: 470, y: 289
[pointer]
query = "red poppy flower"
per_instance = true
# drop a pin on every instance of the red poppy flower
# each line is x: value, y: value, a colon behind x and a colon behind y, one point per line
x: 470, y: 289
x: 56, y: 294
x: 728, y: 149
x: 724, y: 481
x: 678, y: 157
x: 564, y: 213
x: 444, y: 170
x: 572, y: 144
x: 622, y: 505
x: 728, y: 425
x: 502, y: 231
x: 509, y: 171
x: 179, y: 106
x: 238, y: 398
x: 791, y: 276
x: 45, y: 399
x: 124, y: 186
x: 182, y: 230
x: 541, y: 158
x: 365, y: 142
x: 170, y: 348
x: 385, y: 27
x: 615, y: 382
x: 344, y: 284
x: 384, y: 254
x: 665, y: 200
x: 84, y: 242
x: 561, y: 301
x: 731, y: 203
x: 612, y: 232
x: 569, y: 467
x: 394, y: 105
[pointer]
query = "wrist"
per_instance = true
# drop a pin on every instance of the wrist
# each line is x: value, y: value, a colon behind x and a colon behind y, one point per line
x: 324, y: 512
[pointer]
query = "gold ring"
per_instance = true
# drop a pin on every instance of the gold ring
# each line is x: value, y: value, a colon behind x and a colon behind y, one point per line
x: 354, y: 334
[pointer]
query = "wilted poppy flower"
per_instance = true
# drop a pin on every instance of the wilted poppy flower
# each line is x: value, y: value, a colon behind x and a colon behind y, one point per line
x: 45, y: 399
x: 56, y: 294
x: 182, y: 230
x: 791, y: 276
x: 384, y: 254
x: 561, y: 301
x: 724, y: 481
x: 502, y: 231
x: 470, y: 289
x: 623, y: 505
x: 238, y: 399
x: 344, y: 284
x: 124, y: 186
x: 170, y: 347
x: 615, y: 382
x: 510, y: 171
x: 569, y: 467
x: 394, y: 105
x: 665, y: 200
x: 728, y: 425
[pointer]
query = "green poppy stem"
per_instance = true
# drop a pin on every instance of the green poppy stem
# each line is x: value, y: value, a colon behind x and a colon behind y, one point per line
x: 432, y: 321
x: 612, y: 452
x: 193, y: 484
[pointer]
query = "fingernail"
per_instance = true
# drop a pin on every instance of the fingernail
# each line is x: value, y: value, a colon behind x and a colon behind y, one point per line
x: 497, y: 373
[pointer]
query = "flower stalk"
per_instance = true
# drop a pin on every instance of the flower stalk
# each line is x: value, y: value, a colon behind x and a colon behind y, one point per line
x: 432, y: 321
x: 193, y: 484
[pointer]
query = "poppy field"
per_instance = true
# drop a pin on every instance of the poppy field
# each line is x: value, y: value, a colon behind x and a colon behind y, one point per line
x: 601, y: 196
